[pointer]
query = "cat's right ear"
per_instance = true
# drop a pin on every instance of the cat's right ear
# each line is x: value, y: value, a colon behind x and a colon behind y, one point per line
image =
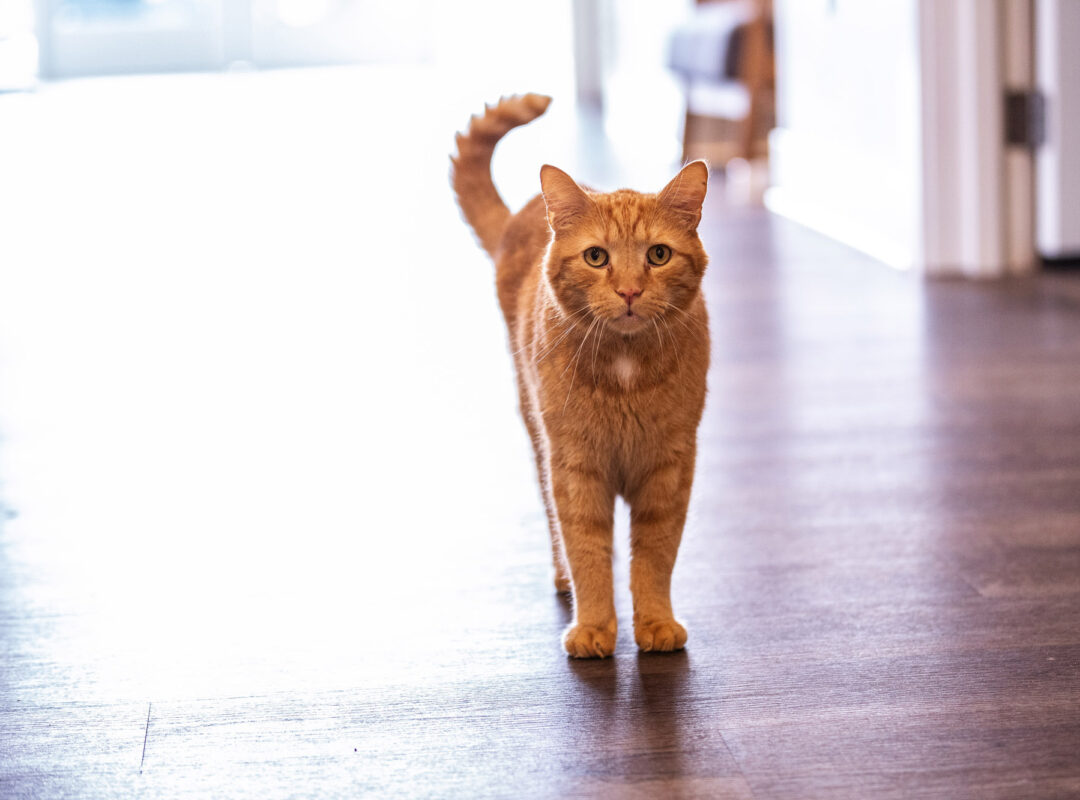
x: 566, y: 201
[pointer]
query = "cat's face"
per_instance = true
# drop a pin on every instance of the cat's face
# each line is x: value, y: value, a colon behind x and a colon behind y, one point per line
x: 625, y: 259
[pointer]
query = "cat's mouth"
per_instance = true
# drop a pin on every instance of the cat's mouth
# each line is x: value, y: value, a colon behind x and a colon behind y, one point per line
x: 628, y: 321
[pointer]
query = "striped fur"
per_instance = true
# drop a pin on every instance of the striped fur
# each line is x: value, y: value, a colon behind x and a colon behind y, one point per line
x: 470, y: 172
x: 611, y: 364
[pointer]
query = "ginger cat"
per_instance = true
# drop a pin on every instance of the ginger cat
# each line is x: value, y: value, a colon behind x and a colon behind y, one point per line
x: 602, y: 297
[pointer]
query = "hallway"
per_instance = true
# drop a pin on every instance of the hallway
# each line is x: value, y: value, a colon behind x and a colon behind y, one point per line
x: 272, y: 528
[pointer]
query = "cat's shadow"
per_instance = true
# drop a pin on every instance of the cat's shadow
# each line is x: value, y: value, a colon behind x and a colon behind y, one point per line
x: 659, y: 674
x: 598, y: 676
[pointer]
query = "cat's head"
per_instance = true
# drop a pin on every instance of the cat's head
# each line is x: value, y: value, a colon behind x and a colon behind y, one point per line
x: 626, y: 257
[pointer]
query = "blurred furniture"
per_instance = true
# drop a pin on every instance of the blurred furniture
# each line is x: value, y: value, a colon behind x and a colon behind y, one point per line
x: 724, y: 55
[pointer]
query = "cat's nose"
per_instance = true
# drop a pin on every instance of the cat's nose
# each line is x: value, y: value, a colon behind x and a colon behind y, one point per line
x: 629, y: 294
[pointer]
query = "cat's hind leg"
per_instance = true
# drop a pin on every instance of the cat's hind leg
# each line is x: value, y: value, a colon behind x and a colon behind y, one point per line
x: 558, y: 552
x: 558, y: 555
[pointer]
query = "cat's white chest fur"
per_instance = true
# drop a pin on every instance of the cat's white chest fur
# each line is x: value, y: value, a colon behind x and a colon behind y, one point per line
x: 625, y: 369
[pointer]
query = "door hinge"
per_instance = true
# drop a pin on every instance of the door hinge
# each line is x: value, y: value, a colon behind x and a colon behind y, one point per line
x: 1025, y: 118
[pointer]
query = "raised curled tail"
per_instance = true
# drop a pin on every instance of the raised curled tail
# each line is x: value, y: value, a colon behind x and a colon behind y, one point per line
x: 470, y: 171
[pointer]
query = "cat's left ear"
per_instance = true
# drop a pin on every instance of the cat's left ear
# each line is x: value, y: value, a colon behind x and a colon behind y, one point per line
x: 685, y: 194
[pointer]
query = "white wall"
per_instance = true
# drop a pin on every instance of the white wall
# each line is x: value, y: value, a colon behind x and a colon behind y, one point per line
x: 846, y: 156
x: 1058, y: 163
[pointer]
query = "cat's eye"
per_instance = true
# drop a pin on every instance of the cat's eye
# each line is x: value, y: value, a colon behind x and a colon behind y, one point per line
x: 659, y: 254
x: 596, y: 257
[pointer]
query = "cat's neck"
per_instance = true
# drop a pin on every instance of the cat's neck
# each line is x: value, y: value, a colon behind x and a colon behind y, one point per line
x: 624, y: 361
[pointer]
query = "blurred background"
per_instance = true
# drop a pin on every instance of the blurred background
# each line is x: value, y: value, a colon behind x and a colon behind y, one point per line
x: 938, y: 136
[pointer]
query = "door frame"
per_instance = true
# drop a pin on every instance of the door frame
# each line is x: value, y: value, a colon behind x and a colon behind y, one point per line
x: 978, y: 193
x: 1057, y: 24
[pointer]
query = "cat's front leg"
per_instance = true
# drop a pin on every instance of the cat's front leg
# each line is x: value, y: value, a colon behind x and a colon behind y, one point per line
x: 657, y: 515
x: 585, y: 503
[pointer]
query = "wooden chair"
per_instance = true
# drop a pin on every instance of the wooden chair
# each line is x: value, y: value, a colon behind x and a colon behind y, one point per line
x: 725, y: 55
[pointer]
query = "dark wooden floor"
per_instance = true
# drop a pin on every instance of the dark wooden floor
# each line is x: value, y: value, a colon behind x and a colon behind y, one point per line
x: 273, y: 530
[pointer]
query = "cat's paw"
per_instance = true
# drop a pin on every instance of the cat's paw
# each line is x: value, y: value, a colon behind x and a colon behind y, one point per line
x: 659, y: 636
x: 589, y: 641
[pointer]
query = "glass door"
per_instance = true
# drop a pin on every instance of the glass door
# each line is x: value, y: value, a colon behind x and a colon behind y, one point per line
x: 95, y: 37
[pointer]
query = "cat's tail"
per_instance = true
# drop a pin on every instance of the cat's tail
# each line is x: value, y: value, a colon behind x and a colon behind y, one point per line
x: 470, y: 171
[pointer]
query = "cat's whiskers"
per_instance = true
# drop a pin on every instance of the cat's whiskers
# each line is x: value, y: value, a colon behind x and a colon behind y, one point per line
x: 584, y: 339
x: 560, y: 323
x: 596, y: 349
x: 549, y: 347
x: 575, y: 360
x: 658, y: 363
x: 686, y: 327
x: 674, y: 343
x: 700, y: 325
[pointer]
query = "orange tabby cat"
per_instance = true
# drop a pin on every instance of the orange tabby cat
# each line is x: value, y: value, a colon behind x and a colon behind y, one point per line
x: 602, y: 297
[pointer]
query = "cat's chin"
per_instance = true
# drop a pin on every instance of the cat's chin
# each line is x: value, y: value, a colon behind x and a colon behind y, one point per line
x: 627, y: 324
